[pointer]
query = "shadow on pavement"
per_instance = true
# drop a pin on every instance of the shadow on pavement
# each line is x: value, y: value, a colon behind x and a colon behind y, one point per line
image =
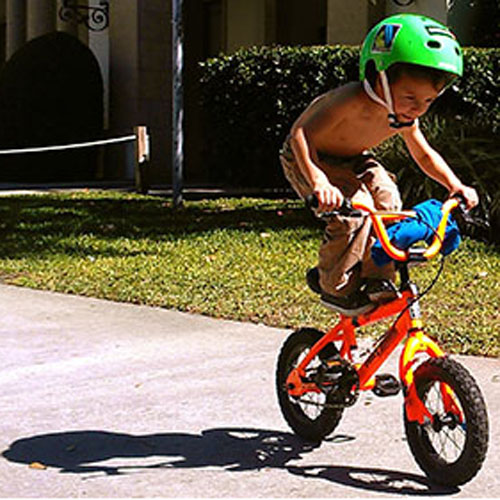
x: 381, y: 480
x: 233, y: 449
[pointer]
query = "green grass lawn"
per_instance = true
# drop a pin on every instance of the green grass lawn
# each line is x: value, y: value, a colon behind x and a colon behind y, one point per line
x: 242, y: 259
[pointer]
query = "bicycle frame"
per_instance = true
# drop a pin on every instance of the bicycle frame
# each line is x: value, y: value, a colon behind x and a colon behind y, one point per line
x: 409, y: 325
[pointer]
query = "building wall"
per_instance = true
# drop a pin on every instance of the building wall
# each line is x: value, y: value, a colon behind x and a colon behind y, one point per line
x: 124, y: 82
x: 348, y: 22
x: 140, y: 90
x: 296, y: 25
x: 135, y: 54
x: 246, y: 23
x: 3, y: 32
x: 155, y: 90
x: 436, y: 9
x: 134, y: 57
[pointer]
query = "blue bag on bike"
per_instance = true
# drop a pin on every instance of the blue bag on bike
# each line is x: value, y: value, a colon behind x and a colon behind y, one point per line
x: 405, y: 233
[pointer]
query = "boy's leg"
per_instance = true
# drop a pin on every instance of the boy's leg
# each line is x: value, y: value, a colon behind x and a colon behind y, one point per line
x: 344, y: 246
x: 345, y: 239
x: 385, y: 194
x: 381, y: 185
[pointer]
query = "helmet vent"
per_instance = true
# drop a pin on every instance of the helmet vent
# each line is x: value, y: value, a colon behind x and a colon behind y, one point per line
x: 434, y: 44
x: 437, y: 31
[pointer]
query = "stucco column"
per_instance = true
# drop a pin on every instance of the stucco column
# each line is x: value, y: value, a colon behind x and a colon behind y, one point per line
x: 124, y: 77
x: 16, y: 26
x: 41, y: 17
x: 99, y: 45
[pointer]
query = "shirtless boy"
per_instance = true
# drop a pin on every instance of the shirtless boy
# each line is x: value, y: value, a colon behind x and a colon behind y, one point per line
x: 406, y: 62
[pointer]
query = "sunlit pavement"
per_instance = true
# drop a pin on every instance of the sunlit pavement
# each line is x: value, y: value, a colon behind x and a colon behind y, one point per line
x: 102, y: 399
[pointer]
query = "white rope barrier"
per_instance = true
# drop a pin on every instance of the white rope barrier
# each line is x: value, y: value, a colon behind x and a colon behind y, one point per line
x: 42, y: 149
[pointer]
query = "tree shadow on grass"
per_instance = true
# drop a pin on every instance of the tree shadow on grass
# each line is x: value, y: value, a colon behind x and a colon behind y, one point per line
x: 34, y: 225
x: 231, y: 449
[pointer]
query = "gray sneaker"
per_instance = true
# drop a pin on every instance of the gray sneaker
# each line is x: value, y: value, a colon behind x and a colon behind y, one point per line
x: 312, y: 278
x: 351, y: 305
x: 381, y: 290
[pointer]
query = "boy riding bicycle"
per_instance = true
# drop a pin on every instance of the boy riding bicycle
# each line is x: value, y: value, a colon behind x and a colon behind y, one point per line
x: 406, y: 62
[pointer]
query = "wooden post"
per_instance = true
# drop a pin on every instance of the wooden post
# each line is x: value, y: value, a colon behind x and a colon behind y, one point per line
x: 141, y: 159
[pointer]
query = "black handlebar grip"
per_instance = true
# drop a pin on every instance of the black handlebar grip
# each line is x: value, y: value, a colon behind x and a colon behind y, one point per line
x: 345, y: 209
x: 463, y: 212
x: 312, y: 201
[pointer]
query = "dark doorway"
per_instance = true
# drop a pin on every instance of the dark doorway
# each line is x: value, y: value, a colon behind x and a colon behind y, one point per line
x: 51, y: 92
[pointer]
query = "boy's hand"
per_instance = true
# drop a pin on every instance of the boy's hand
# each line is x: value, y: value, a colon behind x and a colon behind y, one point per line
x: 329, y: 197
x: 469, y: 193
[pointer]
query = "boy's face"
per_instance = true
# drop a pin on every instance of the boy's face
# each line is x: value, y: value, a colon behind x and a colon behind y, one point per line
x: 412, y: 97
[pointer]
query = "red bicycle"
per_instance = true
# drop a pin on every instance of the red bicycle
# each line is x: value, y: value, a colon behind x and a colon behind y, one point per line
x: 445, y: 415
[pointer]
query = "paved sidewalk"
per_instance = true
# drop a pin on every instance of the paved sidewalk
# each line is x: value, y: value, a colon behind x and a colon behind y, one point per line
x: 99, y: 399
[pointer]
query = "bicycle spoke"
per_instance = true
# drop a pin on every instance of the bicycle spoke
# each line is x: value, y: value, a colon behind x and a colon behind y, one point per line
x: 449, y: 435
x: 447, y: 442
x: 451, y: 447
x: 309, y: 414
x: 311, y: 404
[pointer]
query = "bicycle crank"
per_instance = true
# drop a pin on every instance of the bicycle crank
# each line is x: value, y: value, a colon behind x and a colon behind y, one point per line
x: 339, y: 379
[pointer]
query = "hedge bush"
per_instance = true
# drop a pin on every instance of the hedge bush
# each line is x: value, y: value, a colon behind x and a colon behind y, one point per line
x: 251, y: 98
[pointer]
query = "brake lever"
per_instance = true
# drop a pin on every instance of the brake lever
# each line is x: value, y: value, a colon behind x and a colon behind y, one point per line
x: 346, y: 209
x: 464, y: 217
x: 464, y: 213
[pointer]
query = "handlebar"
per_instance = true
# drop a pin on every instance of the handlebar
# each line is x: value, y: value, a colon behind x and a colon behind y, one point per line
x: 351, y: 208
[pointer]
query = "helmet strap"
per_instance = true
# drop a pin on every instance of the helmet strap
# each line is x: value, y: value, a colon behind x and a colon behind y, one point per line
x: 387, y: 103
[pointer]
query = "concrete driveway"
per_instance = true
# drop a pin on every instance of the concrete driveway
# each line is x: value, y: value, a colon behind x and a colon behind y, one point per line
x: 99, y: 399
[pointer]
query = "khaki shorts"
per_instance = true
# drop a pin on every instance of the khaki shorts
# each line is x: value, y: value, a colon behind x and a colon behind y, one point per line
x: 344, y: 256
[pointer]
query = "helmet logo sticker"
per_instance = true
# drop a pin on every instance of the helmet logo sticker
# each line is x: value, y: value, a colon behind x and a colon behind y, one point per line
x: 384, y: 39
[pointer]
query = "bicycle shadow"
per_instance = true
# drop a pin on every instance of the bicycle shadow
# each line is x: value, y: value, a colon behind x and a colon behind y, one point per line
x: 372, y: 479
x: 232, y: 449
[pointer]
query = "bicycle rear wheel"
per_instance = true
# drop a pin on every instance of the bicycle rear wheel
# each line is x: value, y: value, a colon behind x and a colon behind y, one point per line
x: 309, y: 415
x: 451, y: 449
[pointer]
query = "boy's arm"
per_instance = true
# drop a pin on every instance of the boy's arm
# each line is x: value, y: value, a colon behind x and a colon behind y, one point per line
x: 433, y: 164
x: 329, y: 197
x: 320, y: 117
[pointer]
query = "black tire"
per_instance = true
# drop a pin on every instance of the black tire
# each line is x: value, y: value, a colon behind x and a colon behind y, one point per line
x: 450, y: 453
x: 305, y: 415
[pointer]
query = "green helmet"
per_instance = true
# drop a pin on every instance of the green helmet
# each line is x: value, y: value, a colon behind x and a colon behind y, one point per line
x: 411, y: 38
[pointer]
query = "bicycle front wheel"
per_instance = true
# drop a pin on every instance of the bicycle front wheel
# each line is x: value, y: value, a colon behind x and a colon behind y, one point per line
x: 450, y: 449
x: 311, y: 416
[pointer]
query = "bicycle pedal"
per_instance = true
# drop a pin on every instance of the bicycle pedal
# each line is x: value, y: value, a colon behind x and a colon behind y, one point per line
x: 386, y: 385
